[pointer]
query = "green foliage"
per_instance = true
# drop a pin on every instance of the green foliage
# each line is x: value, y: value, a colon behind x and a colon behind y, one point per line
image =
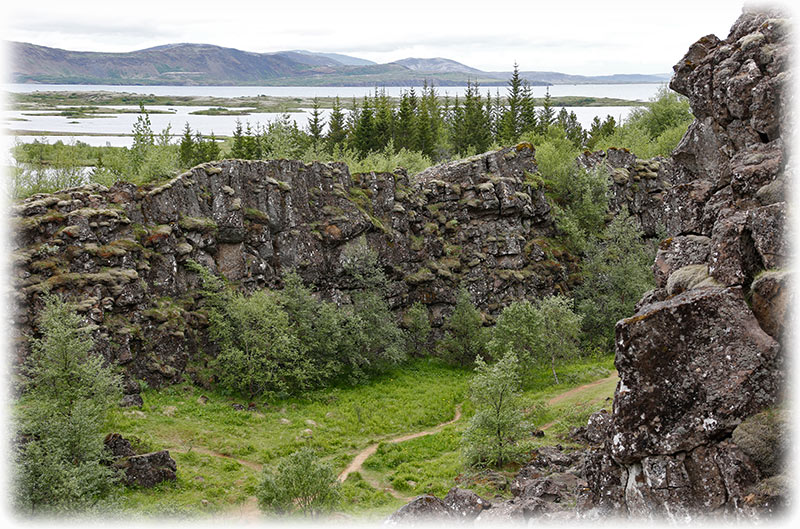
x: 464, y: 338
x: 559, y: 332
x: 471, y: 126
x: 517, y: 331
x: 418, y: 329
x: 377, y: 339
x: 496, y: 431
x: 194, y: 149
x: 654, y: 130
x: 58, y: 460
x: 302, y: 484
x: 42, y: 168
x: 616, y: 272
x: 539, y: 334
x: 578, y: 196
x: 416, y: 396
x: 286, y: 341
x: 259, y: 353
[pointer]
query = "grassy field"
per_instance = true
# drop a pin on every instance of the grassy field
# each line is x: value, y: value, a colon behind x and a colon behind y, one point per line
x: 220, y: 451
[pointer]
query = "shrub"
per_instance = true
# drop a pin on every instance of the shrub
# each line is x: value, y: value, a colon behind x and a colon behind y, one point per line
x: 302, y: 484
x: 616, y: 272
x: 418, y: 329
x: 464, y: 337
x: 495, y: 433
x: 59, y: 452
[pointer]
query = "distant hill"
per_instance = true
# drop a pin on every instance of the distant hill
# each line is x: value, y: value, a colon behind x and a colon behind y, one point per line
x: 438, y: 64
x: 206, y: 64
x: 342, y: 59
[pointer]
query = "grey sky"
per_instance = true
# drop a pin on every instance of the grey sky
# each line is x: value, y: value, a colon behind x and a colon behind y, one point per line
x: 580, y: 37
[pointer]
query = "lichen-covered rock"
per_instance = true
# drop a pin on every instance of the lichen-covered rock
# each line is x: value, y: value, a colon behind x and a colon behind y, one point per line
x: 421, y: 510
x: 636, y: 185
x: 465, y: 504
x: 691, y: 368
x: 121, y: 252
x: 772, y: 301
x: 695, y: 361
x: 118, y: 445
x: 148, y: 470
x: 676, y: 252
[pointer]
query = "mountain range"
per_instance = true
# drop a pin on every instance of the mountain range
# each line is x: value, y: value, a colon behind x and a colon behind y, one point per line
x: 206, y: 64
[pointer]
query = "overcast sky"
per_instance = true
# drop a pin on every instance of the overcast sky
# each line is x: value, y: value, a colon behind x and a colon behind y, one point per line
x: 579, y: 37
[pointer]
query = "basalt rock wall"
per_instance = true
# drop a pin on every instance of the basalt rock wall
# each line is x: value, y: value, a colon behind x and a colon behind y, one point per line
x: 120, y: 253
x: 703, y: 355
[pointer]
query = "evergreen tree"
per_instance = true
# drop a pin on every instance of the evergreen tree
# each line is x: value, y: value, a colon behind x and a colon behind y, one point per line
x: 363, y: 137
x: 568, y: 121
x: 337, y: 133
x: 405, y: 133
x: 315, y: 123
x: 238, y: 148
x: 510, y: 126
x: 546, y: 115
x: 186, y: 150
x: 384, y: 120
x: 471, y: 132
x: 527, y: 113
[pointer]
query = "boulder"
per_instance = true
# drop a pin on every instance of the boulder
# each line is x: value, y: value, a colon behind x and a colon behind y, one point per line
x: 690, y: 368
x: 465, y: 503
x: 421, y: 510
x: 772, y: 299
x: 118, y: 445
x: 148, y: 470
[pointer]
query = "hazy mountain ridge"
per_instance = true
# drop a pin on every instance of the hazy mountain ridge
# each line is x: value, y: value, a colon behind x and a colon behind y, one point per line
x: 207, y: 64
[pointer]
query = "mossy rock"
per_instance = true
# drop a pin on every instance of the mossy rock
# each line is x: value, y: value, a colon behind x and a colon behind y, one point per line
x: 765, y: 438
x: 423, y: 275
x: 197, y: 224
x: 690, y: 277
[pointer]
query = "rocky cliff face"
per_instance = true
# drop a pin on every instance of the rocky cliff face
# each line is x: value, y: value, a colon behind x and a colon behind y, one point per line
x: 703, y: 352
x: 120, y: 252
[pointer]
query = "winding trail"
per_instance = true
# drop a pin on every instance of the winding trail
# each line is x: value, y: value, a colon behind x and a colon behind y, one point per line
x: 614, y: 376
x: 358, y: 461
x: 248, y: 511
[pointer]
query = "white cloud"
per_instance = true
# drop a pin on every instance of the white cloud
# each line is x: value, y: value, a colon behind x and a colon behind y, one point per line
x: 583, y: 37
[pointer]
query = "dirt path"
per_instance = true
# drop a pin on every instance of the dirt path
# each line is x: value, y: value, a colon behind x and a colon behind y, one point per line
x: 358, y: 461
x: 248, y: 511
x: 362, y: 456
x: 205, y: 451
x: 576, y: 391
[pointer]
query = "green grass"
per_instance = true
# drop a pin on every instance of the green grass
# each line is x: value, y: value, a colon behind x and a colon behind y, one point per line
x: 409, y: 399
x: 433, y: 464
x: 417, y: 396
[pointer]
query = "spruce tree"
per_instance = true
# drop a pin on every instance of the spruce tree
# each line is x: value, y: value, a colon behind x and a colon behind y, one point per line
x: 510, y: 121
x: 186, y: 150
x: 337, y: 133
x: 315, y: 123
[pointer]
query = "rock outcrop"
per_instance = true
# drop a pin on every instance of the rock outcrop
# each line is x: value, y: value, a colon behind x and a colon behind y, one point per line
x: 703, y: 352
x: 142, y: 470
x: 120, y: 253
x: 697, y: 429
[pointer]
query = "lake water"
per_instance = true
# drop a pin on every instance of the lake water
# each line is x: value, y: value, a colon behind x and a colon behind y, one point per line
x: 105, y: 130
